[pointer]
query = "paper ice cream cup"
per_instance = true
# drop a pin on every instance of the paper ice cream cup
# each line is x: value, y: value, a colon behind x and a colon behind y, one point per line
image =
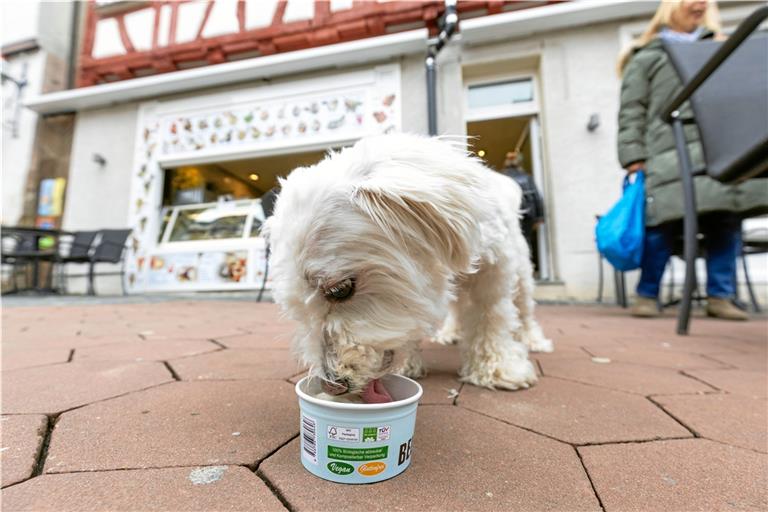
x: 358, y: 443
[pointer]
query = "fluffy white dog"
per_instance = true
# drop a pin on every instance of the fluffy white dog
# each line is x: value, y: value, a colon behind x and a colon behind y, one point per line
x: 375, y: 246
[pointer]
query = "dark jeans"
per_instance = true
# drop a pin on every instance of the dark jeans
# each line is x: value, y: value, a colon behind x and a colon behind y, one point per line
x: 722, y: 243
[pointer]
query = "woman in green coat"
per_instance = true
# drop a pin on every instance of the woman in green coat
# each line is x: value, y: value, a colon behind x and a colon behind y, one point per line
x: 646, y: 143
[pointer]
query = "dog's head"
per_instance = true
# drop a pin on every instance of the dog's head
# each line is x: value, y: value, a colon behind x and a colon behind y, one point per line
x: 362, y: 248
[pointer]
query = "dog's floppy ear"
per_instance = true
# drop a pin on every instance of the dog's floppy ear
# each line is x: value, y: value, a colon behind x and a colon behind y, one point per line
x: 414, y: 209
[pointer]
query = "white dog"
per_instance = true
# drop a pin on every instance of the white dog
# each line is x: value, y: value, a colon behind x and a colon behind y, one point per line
x: 375, y: 245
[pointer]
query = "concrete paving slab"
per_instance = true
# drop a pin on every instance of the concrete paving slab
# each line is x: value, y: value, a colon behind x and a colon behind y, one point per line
x: 223, y: 488
x: 741, y: 361
x: 22, y: 437
x: 675, y: 360
x: 238, y: 364
x: 56, y: 388
x: 575, y: 413
x: 25, y: 357
x: 180, y: 424
x: 631, y: 378
x: 690, y: 475
x: 266, y: 338
x: 461, y: 461
x: 732, y: 419
x: 740, y: 382
x: 145, y: 350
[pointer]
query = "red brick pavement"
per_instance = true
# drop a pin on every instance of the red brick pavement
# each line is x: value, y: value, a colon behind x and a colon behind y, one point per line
x: 189, y: 406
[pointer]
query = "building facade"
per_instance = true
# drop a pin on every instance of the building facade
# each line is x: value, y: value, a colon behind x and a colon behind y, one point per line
x: 189, y: 112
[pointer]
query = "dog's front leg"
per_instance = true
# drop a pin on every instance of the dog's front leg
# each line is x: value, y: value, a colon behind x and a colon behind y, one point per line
x: 412, y: 364
x: 491, y: 357
x: 449, y: 333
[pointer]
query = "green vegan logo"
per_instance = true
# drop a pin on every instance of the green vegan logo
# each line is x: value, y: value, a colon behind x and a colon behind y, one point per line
x: 340, y: 468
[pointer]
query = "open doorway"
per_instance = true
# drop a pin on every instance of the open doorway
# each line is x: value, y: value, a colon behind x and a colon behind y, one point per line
x: 492, y: 140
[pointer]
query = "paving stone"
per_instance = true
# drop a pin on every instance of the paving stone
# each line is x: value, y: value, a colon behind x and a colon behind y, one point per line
x: 631, y: 378
x: 439, y: 388
x: 59, y: 341
x: 742, y: 361
x: 733, y: 419
x: 22, y: 437
x: 574, y: 413
x: 145, y: 350
x: 209, y: 488
x: 13, y: 359
x: 180, y: 424
x: 690, y: 475
x: 461, y: 461
x: 660, y: 358
x: 562, y: 351
x: 56, y: 388
x: 238, y: 364
x: 264, y: 339
x: 740, y: 382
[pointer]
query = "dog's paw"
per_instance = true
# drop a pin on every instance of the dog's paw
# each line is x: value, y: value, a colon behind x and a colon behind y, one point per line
x: 535, y: 340
x: 446, y: 337
x: 511, y: 375
x: 413, y: 367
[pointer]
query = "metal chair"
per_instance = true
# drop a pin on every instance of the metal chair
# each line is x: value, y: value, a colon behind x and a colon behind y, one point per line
x: 726, y: 84
x: 76, y: 250
x: 110, y: 248
x: 15, y: 246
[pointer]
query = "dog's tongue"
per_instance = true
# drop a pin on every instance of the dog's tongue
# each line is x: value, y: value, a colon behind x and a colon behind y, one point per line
x: 376, y: 393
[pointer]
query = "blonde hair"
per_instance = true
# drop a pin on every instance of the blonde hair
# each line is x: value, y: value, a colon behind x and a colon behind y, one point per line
x: 662, y: 18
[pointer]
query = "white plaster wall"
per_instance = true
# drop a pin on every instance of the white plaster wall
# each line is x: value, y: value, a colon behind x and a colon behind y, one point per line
x: 578, y: 80
x: 97, y: 197
x: 414, y: 87
x: 17, y: 149
x: 19, y: 20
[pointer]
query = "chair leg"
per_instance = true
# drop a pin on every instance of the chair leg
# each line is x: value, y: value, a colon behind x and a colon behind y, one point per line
x: 620, y: 288
x: 599, y: 278
x: 752, y: 297
x: 266, y: 273
x: 690, y: 227
x: 91, y: 272
x: 122, y: 277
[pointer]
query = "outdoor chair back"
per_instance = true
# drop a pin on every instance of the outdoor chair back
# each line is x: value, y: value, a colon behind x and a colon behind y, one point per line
x: 111, y: 245
x: 730, y: 107
x: 80, y: 247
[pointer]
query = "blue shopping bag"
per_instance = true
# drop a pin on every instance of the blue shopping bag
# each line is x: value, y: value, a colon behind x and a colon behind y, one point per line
x: 620, y: 232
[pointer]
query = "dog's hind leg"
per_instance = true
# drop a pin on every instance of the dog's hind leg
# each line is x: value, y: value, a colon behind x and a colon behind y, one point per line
x: 530, y: 332
x: 491, y: 356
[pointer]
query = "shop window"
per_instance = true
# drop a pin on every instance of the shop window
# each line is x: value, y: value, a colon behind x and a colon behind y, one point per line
x: 207, y: 224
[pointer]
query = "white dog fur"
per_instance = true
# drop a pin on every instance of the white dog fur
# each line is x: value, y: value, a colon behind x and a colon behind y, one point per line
x: 412, y: 228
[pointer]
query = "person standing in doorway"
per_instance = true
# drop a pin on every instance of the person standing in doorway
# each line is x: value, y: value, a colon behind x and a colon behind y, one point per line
x: 532, y: 207
x: 646, y: 143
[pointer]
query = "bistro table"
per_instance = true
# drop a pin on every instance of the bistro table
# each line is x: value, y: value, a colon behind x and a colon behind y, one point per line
x: 28, y: 248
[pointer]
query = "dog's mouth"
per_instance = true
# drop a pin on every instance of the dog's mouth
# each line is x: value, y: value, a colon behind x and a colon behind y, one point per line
x: 372, y: 392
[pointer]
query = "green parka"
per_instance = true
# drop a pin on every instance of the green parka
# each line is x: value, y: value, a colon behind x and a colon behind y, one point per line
x: 649, y: 84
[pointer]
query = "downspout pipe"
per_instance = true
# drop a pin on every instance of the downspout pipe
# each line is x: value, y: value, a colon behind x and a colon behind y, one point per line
x: 450, y: 23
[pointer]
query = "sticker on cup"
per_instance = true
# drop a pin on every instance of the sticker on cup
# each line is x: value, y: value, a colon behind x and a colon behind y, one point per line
x: 371, y: 468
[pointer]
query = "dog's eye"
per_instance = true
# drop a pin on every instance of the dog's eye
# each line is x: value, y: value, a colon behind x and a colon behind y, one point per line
x: 340, y: 291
